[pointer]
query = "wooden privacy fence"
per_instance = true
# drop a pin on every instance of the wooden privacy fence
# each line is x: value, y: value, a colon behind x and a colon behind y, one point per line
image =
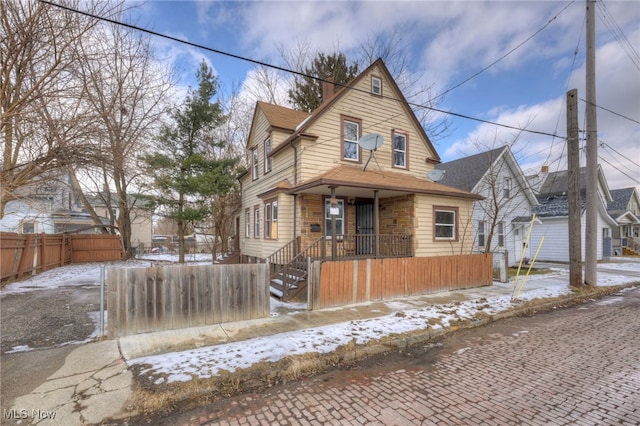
x: 357, y: 281
x: 171, y: 297
x: 29, y: 254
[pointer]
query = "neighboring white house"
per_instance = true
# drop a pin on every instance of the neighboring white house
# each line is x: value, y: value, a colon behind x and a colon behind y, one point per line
x: 46, y: 208
x: 501, y: 221
x: 625, y: 209
x: 553, y: 212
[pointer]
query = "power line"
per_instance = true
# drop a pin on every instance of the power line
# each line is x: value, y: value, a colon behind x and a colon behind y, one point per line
x: 621, y: 155
x: 615, y: 167
x: 301, y: 74
x: 612, y: 112
x: 506, y: 54
x: 618, y: 34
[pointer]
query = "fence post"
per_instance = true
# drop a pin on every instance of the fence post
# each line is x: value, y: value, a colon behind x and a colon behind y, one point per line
x: 101, y: 300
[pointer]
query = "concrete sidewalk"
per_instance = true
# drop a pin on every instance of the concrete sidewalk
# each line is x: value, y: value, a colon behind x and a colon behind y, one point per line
x: 95, y: 383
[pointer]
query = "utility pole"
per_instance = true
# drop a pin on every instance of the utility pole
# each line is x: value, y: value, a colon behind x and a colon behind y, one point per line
x: 591, y: 232
x: 575, y: 212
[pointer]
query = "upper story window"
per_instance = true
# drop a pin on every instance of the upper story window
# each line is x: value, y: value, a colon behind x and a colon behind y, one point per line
x: 267, y: 159
x: 350, y: 137
x: 247, y: 223
x: 507, y: 187
x: 376, y: 86
x: 445, y: 223
x: 254, y: 164
x: 399, y: 150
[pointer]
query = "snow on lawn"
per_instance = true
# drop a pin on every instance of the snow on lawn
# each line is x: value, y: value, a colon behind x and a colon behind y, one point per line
x: 209, y: 361
x: 406, y: 317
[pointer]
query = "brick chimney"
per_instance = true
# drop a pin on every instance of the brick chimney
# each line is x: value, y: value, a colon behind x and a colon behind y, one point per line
x: 328, y: 90
x: 544, y: 169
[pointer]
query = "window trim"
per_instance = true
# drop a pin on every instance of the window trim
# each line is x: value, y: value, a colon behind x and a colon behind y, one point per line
x: 446, y: 209
x: 406, y: 149
x: 342, y: 201
x: 267, y: 159
x: 379, y: 80
x: 343, y: 119
x: 254, y: 163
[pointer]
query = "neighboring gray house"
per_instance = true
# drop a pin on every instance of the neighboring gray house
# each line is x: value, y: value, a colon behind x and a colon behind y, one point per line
x: 553, y: 212
x: 625, y: 209
x: 501, y: 221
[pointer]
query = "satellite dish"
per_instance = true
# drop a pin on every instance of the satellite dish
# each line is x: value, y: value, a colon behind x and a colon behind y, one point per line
x: 435, y: 174
x: 371, y: 142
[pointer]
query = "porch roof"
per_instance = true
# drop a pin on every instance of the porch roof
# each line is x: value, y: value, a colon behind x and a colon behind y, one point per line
x: 388, y: 183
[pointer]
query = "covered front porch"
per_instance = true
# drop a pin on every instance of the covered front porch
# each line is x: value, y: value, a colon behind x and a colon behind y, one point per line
x: 347, y: 214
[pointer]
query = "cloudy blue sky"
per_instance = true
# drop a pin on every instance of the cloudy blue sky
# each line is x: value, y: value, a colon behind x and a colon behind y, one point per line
x: 447, y: 42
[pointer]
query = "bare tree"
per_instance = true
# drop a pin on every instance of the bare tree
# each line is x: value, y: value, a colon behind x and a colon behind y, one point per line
x: 395, y: 51
x: 502, y: 200
x: 129, y: 91
x: 38, y: 53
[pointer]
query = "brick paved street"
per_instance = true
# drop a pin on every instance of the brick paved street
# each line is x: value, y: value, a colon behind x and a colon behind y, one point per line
x: 578, y: 366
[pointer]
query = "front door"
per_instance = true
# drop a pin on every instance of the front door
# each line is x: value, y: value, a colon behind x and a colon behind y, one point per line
x: 365, y: 239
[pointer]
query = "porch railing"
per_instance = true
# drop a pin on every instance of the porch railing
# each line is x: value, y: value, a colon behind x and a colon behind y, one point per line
x: 289, y: 267
x: 350, y: 246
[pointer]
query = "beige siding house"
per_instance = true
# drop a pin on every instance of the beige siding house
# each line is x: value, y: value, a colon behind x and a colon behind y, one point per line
x: 309, y: 175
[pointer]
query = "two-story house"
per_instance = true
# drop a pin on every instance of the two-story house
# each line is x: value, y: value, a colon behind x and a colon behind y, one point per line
x: 47, y: 207
x: 501, y: 221
x: 311, y: 183
x: 625, y: 209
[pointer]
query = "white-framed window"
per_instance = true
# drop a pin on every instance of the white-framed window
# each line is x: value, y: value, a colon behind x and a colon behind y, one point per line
x: 247, y: 223
x: 338, y: 208
x: 29, y: 227
x: 350, y: 137
x: 507, y: 187
x: 500, y: 232
x: 256, y: 225
x: 254, y: 164
x: 399, y: 150
x: 481, y: 233
x: 267, y: 159
x: 445, y: 223
x: 376, y: 85
x: 271, y: 220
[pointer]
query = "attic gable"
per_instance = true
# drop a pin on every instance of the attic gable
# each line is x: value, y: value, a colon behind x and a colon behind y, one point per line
x: 376, y: 69
x: 277, y: 118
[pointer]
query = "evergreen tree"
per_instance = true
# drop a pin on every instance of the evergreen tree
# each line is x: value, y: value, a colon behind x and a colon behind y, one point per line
x: 307, y: 94
x: 184, y: 175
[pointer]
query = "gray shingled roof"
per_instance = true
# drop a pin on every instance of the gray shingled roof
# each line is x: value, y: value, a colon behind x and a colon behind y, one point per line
x: 620, y: 200
x: 558, y: 183
x: 465, y: 173
x: 553, y: 197
x: 557, y: 205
